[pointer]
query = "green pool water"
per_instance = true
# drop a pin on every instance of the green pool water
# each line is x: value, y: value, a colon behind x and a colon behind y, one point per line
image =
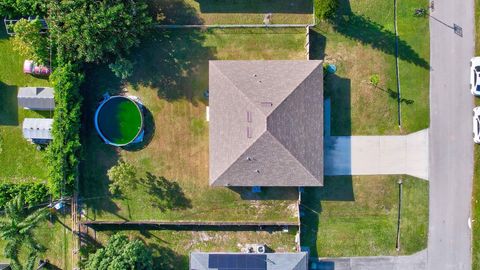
x: 120, y: 120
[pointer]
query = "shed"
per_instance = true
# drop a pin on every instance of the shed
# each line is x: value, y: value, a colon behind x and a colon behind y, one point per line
x: 36, y: 98
x: 37, y: 130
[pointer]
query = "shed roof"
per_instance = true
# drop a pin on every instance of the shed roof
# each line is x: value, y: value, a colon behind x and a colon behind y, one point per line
x: 266, y: 123
x: 36, y: 98
x: 270, y: 261
x: 37, y: 128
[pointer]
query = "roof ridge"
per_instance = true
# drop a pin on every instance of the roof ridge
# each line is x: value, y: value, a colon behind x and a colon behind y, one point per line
x: 290, y: 153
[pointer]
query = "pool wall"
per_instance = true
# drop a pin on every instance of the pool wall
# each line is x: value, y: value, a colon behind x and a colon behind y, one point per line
x: 138, y: 138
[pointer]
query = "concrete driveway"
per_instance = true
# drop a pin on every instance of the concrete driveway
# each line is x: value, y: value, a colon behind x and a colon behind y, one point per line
x: 373, y: 155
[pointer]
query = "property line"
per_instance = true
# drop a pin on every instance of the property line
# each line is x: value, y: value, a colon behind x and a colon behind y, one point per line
x: 399, y: 96
x: 176, y: 26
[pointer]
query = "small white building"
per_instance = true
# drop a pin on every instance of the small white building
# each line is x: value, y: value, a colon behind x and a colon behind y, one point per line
x: 36, y: 98
x: 37, y: 130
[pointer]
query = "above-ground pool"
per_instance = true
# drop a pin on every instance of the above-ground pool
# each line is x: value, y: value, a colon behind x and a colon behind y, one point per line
x: 119, y: 121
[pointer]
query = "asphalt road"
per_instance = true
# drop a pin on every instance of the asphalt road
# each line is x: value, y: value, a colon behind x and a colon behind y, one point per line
x: 451, y: 146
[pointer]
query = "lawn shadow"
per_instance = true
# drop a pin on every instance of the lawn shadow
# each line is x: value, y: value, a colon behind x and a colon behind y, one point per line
x: 267, y: 193
x: 368, y: 32
x: 165, y: 194
x: 174, y: 63
x: 338, y: 188
x: 174, y: 12
x: 266, y: 6
x: 98, y: 157
x: 9, y: 105
x: 149, y: 132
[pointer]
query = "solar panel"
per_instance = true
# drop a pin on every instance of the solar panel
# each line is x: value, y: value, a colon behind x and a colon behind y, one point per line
x: 237, y: 261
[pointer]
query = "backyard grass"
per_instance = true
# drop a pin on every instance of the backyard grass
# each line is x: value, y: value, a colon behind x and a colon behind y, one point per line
x: 360, y: 41
x: 170, y: 77
x: 172, y: 248
x: 357, y: 216
x: 476, y: 175
x: 235, y: 12
x: 19, y: 160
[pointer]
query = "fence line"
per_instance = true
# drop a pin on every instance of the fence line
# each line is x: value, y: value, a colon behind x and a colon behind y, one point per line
x: 176, y: 26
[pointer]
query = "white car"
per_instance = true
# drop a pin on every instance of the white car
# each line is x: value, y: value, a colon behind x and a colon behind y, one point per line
x: 476, y: 125
x: 474, y: 76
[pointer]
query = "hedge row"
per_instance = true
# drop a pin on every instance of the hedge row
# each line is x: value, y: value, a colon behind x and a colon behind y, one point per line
x: 34, y: 193
x: 63, y: 153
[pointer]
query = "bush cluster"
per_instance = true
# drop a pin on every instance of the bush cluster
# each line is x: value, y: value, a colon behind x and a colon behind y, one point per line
x: 33, y: 193
x: 63, y: 153
x: 325, y: 9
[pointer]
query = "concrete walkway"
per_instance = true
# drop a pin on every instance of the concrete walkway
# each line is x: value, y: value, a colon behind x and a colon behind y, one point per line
x: 416, y: 261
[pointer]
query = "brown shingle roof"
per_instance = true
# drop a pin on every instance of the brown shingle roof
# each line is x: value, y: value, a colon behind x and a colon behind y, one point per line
x: 266, y: 123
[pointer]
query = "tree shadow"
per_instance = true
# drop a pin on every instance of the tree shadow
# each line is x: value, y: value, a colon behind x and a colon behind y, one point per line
x: 164, y: 258
x: 149, y: 132
x: 165, y: 194
x: 97, y: 157
x: 9, y: 105
x: 174, y: 63
x: 368, y: 32
x: 267, y: 193
x: 394, y: 95
x: 335, y: 189
x: 174, y: 12
x: 265, y: 6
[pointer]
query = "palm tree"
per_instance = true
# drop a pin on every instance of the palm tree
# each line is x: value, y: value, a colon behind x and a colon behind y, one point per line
x: 17, y: 231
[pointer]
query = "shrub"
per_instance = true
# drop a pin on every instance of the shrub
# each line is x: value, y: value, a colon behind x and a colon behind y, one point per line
x: 374, y: 80
x: 63, y: 153
x: 120, y: 253
x: 325, y: 9
x: 122, y: 176
x: 122, y: 68
x: 33, y: 193
x: 29, y: 42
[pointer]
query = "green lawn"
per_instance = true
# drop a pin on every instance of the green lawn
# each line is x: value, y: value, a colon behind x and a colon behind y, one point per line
x: 357, y: 216
x: 170, y: 77
x: 19, y: 160
x: 172, y: 248
x: 476, y: 178
x: 360, y: 41
x: 235, y: 12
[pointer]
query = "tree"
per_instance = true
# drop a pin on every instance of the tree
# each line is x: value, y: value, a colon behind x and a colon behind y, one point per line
x: 22, y: 8
x: 17, y: 231
x: 97, y: 31
x: 121, y: 253
x: 325, y: 9
x: 122, y: 68
x: 29, y: 42
x: 122, y: 176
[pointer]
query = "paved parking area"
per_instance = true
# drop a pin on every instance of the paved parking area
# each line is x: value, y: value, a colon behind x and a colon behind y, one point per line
x: 372, y: 155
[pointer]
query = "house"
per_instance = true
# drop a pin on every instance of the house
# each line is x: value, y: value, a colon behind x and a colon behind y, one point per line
x: 248, y: 261
x: 36, y: 98
x: 37, y: 130
x: 266, y: 123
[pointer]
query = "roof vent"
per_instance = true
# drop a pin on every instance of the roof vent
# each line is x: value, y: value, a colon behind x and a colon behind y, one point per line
x: 249, y: 133
x: 257, y: 171
x: 249, y: 116
x: 249, y: 158
x: 266, y: 103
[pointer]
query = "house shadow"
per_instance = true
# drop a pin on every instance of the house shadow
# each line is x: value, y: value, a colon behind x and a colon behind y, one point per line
x: 165, y: 194
x: 174, y: 63
x: 165, y: 258
x: 364, y: 30
x: 268, y: 6
x: 9, y: 105
x: 267, y: 193
x: 335, y: 188
x: 97, y: 157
